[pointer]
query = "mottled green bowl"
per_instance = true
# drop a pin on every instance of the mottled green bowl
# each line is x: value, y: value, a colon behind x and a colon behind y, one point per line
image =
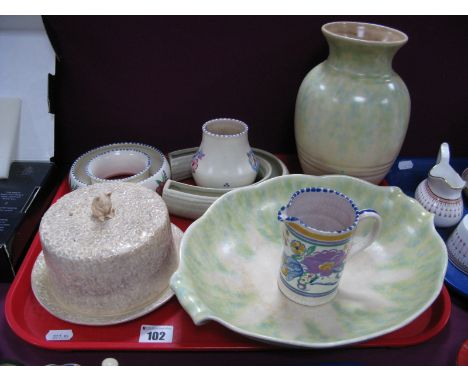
x: 230, y: 261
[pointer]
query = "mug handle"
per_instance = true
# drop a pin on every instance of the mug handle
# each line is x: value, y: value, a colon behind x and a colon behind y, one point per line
x: 362, y: 243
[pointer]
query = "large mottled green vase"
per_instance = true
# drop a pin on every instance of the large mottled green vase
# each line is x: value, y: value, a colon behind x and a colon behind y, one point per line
x: 352, y: 110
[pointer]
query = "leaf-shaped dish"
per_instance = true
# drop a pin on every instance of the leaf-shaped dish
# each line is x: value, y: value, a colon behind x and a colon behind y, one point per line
x: 230, y: 261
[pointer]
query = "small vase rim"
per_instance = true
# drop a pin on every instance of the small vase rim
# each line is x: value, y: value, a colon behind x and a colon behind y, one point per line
x: 400, y: 37
x: 241, y: 126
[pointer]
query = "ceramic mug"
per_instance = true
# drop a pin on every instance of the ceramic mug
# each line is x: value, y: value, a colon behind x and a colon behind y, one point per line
x: 318, y: 235
x: 128, y: 165
x: 457, y: 246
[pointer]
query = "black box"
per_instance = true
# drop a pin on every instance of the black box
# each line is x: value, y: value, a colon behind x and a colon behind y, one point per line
x: 24, y: 197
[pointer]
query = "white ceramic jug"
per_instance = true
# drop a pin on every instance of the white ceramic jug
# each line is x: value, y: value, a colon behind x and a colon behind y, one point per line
x: 441, y: 192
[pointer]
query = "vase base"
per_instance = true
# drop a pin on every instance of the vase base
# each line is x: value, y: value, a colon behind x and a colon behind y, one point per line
x: 374, y: 174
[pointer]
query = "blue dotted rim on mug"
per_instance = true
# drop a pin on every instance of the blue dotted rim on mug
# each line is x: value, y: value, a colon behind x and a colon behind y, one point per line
x: 207, y: 124
x: 357, y: 213
x: 74, y: 178
x: 127, y: 179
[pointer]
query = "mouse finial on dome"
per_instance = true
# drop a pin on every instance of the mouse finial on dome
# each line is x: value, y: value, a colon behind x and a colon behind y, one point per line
x: 101, y: 207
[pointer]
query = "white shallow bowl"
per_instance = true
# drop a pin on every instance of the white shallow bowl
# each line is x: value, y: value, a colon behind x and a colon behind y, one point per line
x: 230, y: 260
x: 160, y: 171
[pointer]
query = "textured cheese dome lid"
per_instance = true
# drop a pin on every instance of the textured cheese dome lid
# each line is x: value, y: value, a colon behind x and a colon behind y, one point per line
x: 70, y: 227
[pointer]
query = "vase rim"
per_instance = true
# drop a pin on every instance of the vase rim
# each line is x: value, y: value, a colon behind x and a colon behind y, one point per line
x: 225, y: 128
x: 365, y: 33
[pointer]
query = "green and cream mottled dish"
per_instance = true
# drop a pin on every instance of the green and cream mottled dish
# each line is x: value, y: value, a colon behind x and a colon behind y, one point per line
x: 230, y: 260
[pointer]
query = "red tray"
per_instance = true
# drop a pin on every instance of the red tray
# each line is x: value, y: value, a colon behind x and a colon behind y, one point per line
x: 31, y: 322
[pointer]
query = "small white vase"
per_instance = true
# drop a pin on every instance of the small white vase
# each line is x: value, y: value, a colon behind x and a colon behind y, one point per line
x: 224, y: 158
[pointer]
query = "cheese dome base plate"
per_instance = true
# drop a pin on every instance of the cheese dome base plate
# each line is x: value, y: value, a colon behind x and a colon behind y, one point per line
x: 42, y: 291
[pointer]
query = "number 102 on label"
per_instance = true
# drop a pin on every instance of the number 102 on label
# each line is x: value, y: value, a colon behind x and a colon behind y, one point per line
x: 156, y: 334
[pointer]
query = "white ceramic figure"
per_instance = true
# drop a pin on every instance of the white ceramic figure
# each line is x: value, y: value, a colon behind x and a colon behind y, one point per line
x: 101, y: 207
x: 440, y: 193
x: 457, y: 246
x: 224, y: 158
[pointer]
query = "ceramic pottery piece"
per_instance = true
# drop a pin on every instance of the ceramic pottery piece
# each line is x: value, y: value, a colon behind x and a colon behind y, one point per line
x: 441, y: 192
x: 230, y: 260
x: 191, y: 201
x: 457, y: 246
x: 108, y: 252
x: 352, y: 110
x: 43, y: 291
x: 180, y: 162
x: 159, y: 171
x: 124, y: 165
x: 465, y: 178
x: 224, y: 158
x: 319, y: 224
